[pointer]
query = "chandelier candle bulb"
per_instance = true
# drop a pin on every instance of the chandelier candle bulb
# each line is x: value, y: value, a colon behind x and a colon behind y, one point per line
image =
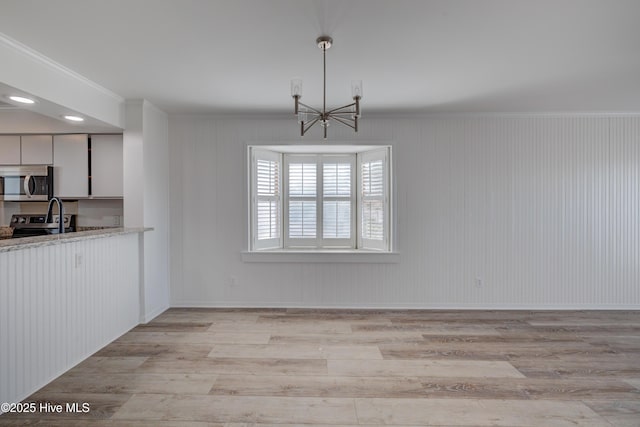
x: 356, y: 89
x: 296, y: 87
x: 296, y: 92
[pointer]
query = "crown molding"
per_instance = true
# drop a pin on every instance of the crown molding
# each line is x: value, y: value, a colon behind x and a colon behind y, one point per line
x: 53, y: 65
x: 416, y: 116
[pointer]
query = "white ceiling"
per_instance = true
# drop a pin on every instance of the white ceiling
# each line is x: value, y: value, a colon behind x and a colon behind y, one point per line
x: 230, y: 56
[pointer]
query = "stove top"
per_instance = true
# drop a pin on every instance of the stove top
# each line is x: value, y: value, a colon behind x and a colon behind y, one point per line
x: 24, y: 225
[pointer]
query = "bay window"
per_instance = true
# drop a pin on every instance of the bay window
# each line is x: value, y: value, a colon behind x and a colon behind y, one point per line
x: 319, y: 198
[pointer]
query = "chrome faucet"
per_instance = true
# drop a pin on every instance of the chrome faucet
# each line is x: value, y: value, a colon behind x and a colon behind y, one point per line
x: 49, y: 218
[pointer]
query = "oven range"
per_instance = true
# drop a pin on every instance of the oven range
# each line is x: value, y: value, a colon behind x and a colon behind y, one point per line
x: 27, y: 225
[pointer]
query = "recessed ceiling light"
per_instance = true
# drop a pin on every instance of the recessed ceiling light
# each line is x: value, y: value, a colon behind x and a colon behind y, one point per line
x: 22, y: 99
x: 74, y: 118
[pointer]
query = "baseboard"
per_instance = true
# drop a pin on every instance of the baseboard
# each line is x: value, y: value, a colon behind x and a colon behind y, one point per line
x: 542, y: 307
x: 148, y: 317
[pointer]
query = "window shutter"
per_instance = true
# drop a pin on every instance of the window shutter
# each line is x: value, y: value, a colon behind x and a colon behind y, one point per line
x: 373, y: 200
x: 301, y: 203
x: 267, y: 200
x: 338, y: 201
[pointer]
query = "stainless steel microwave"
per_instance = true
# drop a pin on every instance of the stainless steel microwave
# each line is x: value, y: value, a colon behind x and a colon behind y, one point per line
x: 26, y: 183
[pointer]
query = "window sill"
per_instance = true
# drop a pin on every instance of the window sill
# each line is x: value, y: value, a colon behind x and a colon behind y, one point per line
x: 322, y: 256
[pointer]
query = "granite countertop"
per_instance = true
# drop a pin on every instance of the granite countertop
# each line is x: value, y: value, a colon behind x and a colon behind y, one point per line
x: 56, y: 239
x: 6, y: 232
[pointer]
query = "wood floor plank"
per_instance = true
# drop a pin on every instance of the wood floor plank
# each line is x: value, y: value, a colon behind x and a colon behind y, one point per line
x: 423, y: 368
x: 367, y: 338
x: 132, y: 383
x: 174, y: 326
x: 495, y: 350
x: 326, y: 327
x: 542, y: 368
x: 175, y: 338
x: 426, y: 329
x: 341, y: 386
x: 208, y: 316
x: 579, y: 389
x: 520, y: 338
x: 316, y: 386
x: 109, y: 364
x: 472, y: 412
x: 338, y: 316
x: 296, y: 351
x: 252, y: 366
x: 620, y: 413
x: 239, y: 409
x: 135, y: 349
x: 624, y: 343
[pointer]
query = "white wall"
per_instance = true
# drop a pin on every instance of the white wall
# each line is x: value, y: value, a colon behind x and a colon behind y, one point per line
x: 146, y: 199
x: 543, y: 208
x: 156, y: 211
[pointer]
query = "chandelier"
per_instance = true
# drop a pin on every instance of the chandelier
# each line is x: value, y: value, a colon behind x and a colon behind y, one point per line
x: 347, y: 115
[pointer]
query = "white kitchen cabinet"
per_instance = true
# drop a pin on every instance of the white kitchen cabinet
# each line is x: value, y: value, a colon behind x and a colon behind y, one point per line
x: 106, y: 166
x: 9, y: 149
x: 37, y: 149
x: 71, y: 166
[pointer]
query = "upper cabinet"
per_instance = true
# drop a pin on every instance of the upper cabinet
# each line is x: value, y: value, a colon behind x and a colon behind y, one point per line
x: 79, y: 172
x: 9, y: 149
x: 26, y: 150
x: 37, y: 149
x: 71, y: 166
x: 106, y: 166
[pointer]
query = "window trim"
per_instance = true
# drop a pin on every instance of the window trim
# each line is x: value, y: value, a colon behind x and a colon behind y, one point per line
x: 304, y: 254
x: 331, y: 256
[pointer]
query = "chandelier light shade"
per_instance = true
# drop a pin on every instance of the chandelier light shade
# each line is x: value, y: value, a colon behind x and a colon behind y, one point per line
x: 347, y: 115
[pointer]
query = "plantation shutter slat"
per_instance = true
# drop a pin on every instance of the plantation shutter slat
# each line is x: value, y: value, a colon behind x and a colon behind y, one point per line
x: 266, y: 191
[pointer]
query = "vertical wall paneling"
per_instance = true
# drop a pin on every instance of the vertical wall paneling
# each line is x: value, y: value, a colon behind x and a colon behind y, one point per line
x: 543, y: 209
x: 57, y: 312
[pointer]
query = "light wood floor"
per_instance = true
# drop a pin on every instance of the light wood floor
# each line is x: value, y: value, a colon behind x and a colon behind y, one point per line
x: 236, y: 368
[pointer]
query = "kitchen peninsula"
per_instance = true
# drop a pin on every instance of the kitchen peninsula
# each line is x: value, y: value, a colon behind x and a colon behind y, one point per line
x: 62, y: 298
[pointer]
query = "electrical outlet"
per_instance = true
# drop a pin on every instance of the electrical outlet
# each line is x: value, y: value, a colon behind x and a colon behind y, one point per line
x: 78, y: 260
x: 116, y: 220
x: 479, y: 282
